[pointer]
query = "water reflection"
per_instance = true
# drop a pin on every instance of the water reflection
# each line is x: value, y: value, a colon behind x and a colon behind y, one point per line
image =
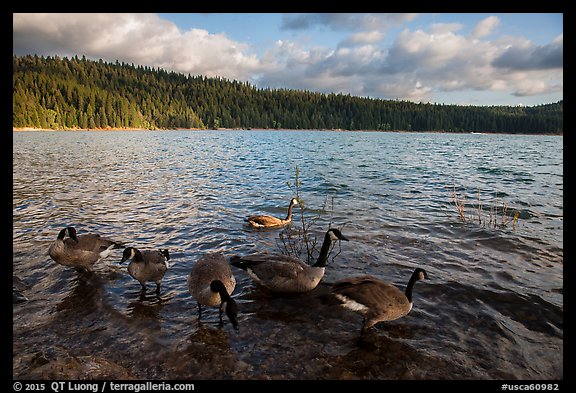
x: 85, y: 295
x: 146, y: 310
x: 208, y: 334
x: 18, y: 289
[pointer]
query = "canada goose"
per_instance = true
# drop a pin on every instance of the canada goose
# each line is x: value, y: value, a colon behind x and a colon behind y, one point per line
x: 286, y: 274
x: 80, y: 252
x: 211, y: 283
x: 265, y: 221
x: 376, y: 300
x: 147, y: 265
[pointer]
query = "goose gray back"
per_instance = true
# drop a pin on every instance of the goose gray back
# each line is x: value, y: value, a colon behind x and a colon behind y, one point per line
x: 211, y: 283
x: 267, y: 221
x: 80, y: 252
x: 147, y: 265
x: 376, y: 300
x: 286, y: 274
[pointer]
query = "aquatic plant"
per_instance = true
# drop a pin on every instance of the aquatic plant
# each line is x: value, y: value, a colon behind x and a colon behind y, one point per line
x: 496, y: 216
x: 297, y: 238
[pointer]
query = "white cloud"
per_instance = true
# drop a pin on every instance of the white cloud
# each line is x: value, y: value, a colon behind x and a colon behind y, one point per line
x: 418, y: 65
x: 346, y: 21
x: 139, y: 38
x: 406, y: 89
x: 445, y: 28
x: 485, y: 27
x: 531, y: 57
x: 363, y: 37
x: 418, y: 49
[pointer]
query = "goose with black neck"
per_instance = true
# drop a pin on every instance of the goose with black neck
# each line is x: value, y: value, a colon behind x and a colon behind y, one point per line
x: 286, y: 274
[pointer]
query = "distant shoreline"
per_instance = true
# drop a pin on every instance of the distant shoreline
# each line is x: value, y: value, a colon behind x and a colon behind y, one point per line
x: 33, y: 129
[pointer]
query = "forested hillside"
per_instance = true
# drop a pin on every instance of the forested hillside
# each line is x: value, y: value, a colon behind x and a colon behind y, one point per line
x: 62, y: 93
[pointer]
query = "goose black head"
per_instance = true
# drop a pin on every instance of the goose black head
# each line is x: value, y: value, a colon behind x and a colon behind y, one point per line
x: 335, y: 234
x: 420, y: 274
x: 72, y: 233
x: 166, y: 254
x: 294, y: 201
x: 228, y: 304
x: 62, y: 233
x: 128, y: 253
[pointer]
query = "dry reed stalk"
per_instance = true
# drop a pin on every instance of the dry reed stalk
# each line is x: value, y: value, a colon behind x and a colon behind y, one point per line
x: 493, y: 220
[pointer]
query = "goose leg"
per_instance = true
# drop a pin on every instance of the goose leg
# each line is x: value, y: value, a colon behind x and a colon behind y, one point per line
x: 158, y: 290
x: 143, y: 291
x: 221, y: 322
x: 361, y: 339
x: 199, y: 311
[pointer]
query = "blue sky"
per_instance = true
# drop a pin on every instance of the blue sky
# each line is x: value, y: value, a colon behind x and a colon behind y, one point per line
x: 468, y: 59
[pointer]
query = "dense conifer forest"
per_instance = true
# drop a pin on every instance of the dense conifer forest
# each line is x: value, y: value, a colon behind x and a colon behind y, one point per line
x: 76, y: 93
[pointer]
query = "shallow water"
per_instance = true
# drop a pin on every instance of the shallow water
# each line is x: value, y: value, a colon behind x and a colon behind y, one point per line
x: 491, y: 309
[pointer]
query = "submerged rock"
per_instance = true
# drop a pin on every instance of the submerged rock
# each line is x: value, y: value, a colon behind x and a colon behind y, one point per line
x: 79, y: 368
x: 18, y: 286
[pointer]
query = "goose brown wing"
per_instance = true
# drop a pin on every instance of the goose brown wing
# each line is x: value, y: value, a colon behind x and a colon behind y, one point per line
x: 154, y: 257
x: 265, y: 220
x: 155, y: 264
x: 92, y: 242
x: 369, y: 291
x: 268, y: 267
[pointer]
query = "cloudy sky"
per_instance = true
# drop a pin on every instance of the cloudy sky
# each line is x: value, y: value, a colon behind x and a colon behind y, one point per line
x: 476, y: 59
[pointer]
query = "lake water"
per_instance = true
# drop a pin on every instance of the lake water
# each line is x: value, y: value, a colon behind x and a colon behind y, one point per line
x: 491, y: 309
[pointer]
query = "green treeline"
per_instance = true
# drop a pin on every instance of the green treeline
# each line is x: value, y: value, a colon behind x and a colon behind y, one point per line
x: 62, y: 93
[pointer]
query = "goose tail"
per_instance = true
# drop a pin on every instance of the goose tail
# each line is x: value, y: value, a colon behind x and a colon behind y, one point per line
x: 236, y: 260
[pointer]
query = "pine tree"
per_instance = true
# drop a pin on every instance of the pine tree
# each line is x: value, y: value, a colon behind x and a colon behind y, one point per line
x: 54, y: 92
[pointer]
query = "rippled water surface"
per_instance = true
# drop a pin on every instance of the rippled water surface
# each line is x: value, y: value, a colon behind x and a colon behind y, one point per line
x: 492, y: 307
